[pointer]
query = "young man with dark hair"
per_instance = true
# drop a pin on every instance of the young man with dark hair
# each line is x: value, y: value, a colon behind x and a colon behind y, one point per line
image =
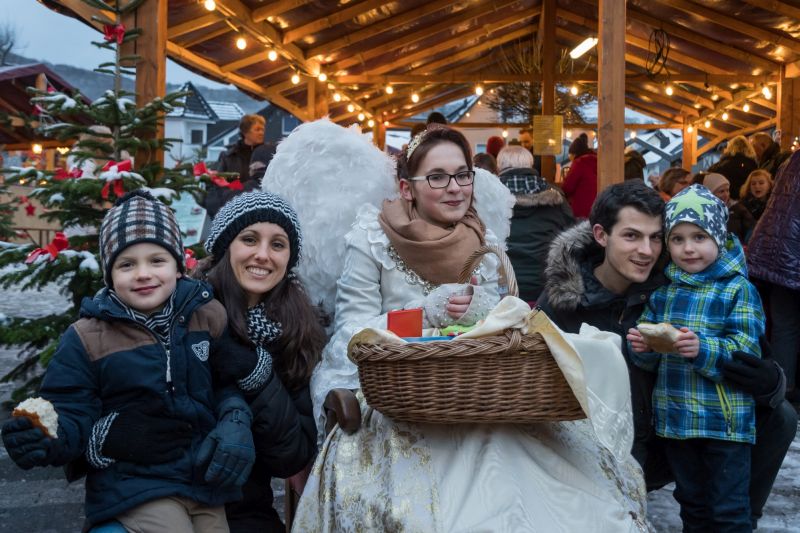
x: 602, y: 272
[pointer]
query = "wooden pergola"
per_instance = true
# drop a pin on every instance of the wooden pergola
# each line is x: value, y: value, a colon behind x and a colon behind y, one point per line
x: 732, y: 65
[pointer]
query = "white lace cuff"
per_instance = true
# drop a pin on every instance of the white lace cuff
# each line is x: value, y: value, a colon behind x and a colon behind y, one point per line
x: 483, y: 301
x: 95, y: 448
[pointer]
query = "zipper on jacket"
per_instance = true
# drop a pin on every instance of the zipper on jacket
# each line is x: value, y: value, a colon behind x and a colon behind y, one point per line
x: 726, y: 408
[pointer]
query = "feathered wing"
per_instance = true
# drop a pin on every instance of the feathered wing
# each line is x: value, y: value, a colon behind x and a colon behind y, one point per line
x: 494, y: 203
x: 327, y: 172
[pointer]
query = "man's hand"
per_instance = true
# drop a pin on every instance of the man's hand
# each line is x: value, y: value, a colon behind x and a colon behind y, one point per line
x: 752, y: 374
x: 637, y: 341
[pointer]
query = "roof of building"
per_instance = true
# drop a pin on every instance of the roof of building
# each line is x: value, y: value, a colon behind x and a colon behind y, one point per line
x: 226, y: 110
x: 194, y: 105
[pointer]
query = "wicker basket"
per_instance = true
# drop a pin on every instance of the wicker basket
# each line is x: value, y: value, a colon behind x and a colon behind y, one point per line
x: 510, y: 378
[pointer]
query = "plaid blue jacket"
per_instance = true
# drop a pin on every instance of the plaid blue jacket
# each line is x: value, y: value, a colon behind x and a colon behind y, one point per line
x: 722, y: 307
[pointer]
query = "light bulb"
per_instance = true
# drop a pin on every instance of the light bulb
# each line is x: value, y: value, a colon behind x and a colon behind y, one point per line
x: 690, y: 128
x: 37, y: 149
x: 241, y: 43
x: 707, y: 123
x: 272, y: 55
x: 479, y: 90
x: 350, y: 108
x: 467, y: 115
x: 505, y: 133
x: 337, y: 97
x: 295, y: 78
x: 385, y: 122
x: 633, y: 134
x: 389, y: 89
x: 746, y: 107
x: 766, y: 92
x: 568, y: 134
x: 715, y: 97
x: 211, y: 5
x: 371, y: 123
x: 725, y: 115
x: 322, y: 76
x: 669, y: 90
x: 361, y: 116
x: 415, y: 98
x: 574, y: 90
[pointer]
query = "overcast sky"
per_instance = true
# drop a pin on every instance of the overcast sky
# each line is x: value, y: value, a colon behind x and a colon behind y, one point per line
x: 45, y: 35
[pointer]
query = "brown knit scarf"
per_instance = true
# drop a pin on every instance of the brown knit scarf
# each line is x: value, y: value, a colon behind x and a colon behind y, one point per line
x: 436, y: 254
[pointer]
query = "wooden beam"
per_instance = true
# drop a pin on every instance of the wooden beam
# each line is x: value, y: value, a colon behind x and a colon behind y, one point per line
x: 197, y: 23
x: 317, y: 99
x: 252, y: 59
x: 205, y: 36
x: 379, y: 135
x: 710, y: 145
x: 203, y: 64
x: 429, y: 104
x: 611, y: 93
x: 427, y: 31
x: 569, y: 125
x: 549, y: 48
x: 242, y: 16
x: 734, y: 23
x: 385, y: 25
x: 696, y: 38
x: 276, y: 8
x: 661, y: 99
x: 151, y: 69
x: 689, y: 148
x: 642, y: 107
x: 494, y: 76
x: 773, y: 6
x: 329, y: 21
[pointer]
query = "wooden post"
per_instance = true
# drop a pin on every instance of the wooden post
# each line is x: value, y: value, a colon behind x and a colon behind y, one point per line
x: 611, y: 93
x: 689, y: 148
x: 317, y: 99
x: 547, y: 32
x: 151, y: 70
x: 379, y: 135
x: 788, y: 107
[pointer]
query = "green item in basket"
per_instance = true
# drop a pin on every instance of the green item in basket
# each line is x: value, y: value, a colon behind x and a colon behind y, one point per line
x: 455, y: 330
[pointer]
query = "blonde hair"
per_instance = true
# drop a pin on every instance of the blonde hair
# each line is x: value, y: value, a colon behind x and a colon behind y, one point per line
x: 744, y: 192
x: 514, y: 157
x: 248, y: 121
x: 740, y: 145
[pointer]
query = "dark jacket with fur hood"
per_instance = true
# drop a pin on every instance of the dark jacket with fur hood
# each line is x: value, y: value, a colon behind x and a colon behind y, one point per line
x: 573, y: 295
x: 538, y: 218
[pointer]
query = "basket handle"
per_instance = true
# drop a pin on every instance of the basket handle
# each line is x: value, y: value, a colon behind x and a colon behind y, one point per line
x: 505, y: 265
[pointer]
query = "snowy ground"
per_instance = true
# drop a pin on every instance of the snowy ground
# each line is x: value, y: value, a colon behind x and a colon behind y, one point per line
x: 40, y: 500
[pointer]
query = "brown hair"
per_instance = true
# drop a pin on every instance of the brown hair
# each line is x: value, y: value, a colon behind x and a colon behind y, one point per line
x: 670, y: 177
x: 433, y: 135
x: 297, y: 351
x: 744, y: 192
x: 247, y: 122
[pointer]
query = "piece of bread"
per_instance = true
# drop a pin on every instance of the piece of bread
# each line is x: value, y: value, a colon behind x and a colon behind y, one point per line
x: 660, y: 337
x: 41, y: 413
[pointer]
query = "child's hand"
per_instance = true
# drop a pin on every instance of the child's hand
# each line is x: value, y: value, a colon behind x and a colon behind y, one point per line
x: 688, y: 344
x: 637, y: 341
x: 457, y: 305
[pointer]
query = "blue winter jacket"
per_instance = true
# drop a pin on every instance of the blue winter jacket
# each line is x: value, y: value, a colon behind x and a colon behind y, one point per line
x: 691, y: 400
x: 106, y: 362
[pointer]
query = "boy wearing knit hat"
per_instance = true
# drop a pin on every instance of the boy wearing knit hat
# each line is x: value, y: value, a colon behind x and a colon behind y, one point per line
x: 132, y: 386
x: 708, y: 426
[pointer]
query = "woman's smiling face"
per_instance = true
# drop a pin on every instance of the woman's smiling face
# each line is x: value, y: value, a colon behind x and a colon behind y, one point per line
x: 259, y: 255
x: 442, y: 207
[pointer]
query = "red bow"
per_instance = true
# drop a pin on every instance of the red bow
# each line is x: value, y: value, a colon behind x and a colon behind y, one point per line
x: 116, y: 32
x: 59, y: 243
x: 201, y: 169
x: 62, y: 174
x: 188, y: 256
x: 234, y: 185
x: 117, y: 184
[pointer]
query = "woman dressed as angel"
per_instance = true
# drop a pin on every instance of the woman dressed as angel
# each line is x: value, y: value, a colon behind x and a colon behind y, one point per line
x: 404, y: 252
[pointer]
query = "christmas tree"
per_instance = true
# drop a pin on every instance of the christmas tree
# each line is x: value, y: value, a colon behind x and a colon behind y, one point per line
x: 115, y: 144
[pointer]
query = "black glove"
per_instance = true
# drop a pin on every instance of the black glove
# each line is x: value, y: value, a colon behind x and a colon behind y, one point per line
x: 228, y: 450
x: 27, y: 446
x: 232, y: 360
x: 752, y: 374
x: 144, y: 434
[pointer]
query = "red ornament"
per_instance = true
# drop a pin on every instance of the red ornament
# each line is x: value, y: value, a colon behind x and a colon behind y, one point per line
x: 234, y: 185
x: 59, y: 243
x: 117, y: 184
x: 30, y: 209
x: 188, y: 256
x: 62, y: 174
x: 200, y: 169
x: 114, y: 33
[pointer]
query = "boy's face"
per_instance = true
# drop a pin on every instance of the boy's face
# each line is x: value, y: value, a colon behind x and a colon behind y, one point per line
x: 632, y: 247
x: 144, y: 276
x: 691, y: 248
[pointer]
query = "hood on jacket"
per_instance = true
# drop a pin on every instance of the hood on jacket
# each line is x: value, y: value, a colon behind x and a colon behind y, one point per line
x: 549, y: 197
x: 730, y: 262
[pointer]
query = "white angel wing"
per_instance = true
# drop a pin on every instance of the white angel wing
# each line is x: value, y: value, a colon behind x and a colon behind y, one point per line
x: 494, y: 203
x: 327, y: 172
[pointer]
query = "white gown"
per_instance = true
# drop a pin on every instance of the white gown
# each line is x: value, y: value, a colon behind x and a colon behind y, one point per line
x: 396, y: 476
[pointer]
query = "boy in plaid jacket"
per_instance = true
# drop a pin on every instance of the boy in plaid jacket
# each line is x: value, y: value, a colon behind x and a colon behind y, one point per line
x: 708, y: 425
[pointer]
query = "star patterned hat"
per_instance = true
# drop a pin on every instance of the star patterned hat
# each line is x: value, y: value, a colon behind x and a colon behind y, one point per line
x: 697, y: 205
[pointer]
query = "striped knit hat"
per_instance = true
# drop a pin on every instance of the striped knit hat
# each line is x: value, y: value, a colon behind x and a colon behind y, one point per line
x: 251, y: 208
x: 697, y: 205
x: 138, y: 217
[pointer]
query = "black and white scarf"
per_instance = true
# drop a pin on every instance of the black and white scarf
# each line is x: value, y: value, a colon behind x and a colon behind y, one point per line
x: 261, y: 331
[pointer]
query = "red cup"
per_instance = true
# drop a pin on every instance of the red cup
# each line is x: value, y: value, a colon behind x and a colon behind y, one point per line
x: 405, y: 323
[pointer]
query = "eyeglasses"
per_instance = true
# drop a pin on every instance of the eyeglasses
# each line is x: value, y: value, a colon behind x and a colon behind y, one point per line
x: 442, y: 181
